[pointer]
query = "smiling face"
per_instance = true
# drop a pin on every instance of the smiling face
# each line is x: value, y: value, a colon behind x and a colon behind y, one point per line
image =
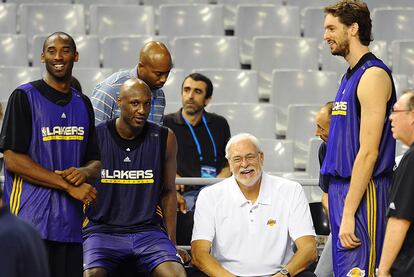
x: 246, y: 163
x: 336, y: 35
x: 58, y: 56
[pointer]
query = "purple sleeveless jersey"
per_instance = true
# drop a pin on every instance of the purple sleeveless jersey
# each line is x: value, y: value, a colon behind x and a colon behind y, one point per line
x: 131, y: 183
x: 59, y: 140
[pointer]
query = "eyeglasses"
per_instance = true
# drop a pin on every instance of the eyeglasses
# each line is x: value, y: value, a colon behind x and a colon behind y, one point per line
x: 249, y: 157
x: 398, y: 111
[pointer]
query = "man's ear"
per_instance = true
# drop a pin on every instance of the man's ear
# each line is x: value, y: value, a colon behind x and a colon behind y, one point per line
x: 207, y: 101
x: 354, y: 29
x: 76, y: 56
x: 42, y: 57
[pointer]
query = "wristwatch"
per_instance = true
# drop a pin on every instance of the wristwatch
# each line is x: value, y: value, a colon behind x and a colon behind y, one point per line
x: 284, y: 271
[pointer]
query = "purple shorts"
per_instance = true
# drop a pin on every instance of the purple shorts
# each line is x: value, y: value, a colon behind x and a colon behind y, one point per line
x: 369, y: 227
x: 149, y: 248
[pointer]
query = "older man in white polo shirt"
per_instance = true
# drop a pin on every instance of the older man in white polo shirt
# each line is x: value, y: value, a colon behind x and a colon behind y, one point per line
x: 245, y: 225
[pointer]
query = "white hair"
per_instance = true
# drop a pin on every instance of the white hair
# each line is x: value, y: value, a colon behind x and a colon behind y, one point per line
x: 240, y: 137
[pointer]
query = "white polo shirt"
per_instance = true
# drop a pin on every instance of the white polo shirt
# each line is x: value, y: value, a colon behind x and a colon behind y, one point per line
x: 252, y: 239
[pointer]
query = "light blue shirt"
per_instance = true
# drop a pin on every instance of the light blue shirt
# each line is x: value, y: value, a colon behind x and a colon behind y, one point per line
x: 104, y: 97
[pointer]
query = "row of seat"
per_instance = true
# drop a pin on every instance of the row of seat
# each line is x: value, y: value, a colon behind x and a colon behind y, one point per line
x: 269, y: 53
x: 189, y: 19
x: 230, y: 85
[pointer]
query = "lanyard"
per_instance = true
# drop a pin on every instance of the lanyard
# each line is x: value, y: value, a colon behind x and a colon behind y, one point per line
x: 196, y: 140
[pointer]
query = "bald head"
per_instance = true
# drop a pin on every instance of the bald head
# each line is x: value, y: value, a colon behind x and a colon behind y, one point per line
x: 154, y: 64
x: 134, y: 86
x: 134, y: 101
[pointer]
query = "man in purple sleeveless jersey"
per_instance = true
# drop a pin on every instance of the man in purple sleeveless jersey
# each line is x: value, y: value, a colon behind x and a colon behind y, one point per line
x: 135, y: 216
x: 50, y: 151
x: 361, y: 150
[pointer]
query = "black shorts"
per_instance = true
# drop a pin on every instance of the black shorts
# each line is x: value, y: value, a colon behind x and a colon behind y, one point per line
x: 65, y: 259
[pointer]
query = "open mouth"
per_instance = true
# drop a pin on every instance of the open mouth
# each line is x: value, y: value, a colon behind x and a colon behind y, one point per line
x: 246, y: 171
x: 58, y: 66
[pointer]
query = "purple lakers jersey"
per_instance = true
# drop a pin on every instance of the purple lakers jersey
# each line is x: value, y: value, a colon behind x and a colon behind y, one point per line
x: 130, y: 187
x: 58, y: 141
x: 343, y: 144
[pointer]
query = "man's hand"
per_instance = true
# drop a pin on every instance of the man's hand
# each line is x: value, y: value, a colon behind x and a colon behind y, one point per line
x: 347, y: 233
x: 181, y: 204
x: 185, y: 257
x: 73, y: 175
x: 179, y: 188
x: 85, y: 193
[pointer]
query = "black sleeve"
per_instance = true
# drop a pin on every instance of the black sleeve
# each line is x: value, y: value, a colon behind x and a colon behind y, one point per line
x: 401, y: 199
x: 323, y: 179
x: 92, y: 149
x: 16, y: 132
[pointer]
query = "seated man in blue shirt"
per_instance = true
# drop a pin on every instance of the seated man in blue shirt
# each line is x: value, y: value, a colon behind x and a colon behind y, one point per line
x: 201, y: 136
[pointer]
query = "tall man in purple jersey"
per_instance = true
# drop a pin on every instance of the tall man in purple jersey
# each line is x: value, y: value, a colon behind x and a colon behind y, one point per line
x: 50, y: 151
x: 361, y: 149
x: 137, y: 196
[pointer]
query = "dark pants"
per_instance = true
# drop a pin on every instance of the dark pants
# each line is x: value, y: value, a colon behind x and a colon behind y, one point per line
x: 65, y: 259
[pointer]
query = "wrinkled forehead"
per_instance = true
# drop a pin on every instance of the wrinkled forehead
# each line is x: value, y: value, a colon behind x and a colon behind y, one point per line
x: 242, y: 147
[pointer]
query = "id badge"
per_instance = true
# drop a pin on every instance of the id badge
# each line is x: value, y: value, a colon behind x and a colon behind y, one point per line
x: 208, y: 171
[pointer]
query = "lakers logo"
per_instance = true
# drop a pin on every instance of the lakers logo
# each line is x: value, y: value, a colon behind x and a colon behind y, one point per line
x: 340, y: 108
x: 356, y: 272
x: 271, y: 222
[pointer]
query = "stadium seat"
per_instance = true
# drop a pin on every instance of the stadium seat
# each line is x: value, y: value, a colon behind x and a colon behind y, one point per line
x: 90, y: 77
x: 206, y: 52
x: 233, y: 85
x: 301, y: 128
x: 126, y: 48
x: 403, y: 57
x: 87, y: 46
x: 401, y: 83
x: 380, y: 49
x: 312, y: 163
x: 264, y: 20
x: 320, y: 219
x: 116, y: 20
x: 13, y: 50
x: 300, y: 87
x: 271, y: 53
x: 46, y: 19
x: 230, y: 9
x: 278, y: 155
x: 87, y: 3
x: 310, y: 3
x: 15, y: 76
x: 331, y: 63
x: 191, y: 20
x: 172, y: 107
x: 393, y: 23
x: 172, y: 88
x: 18, y: 2
x: 312, y: 22
x: 8, y: 18
x: 373, y: 4
x: 257, y: 119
